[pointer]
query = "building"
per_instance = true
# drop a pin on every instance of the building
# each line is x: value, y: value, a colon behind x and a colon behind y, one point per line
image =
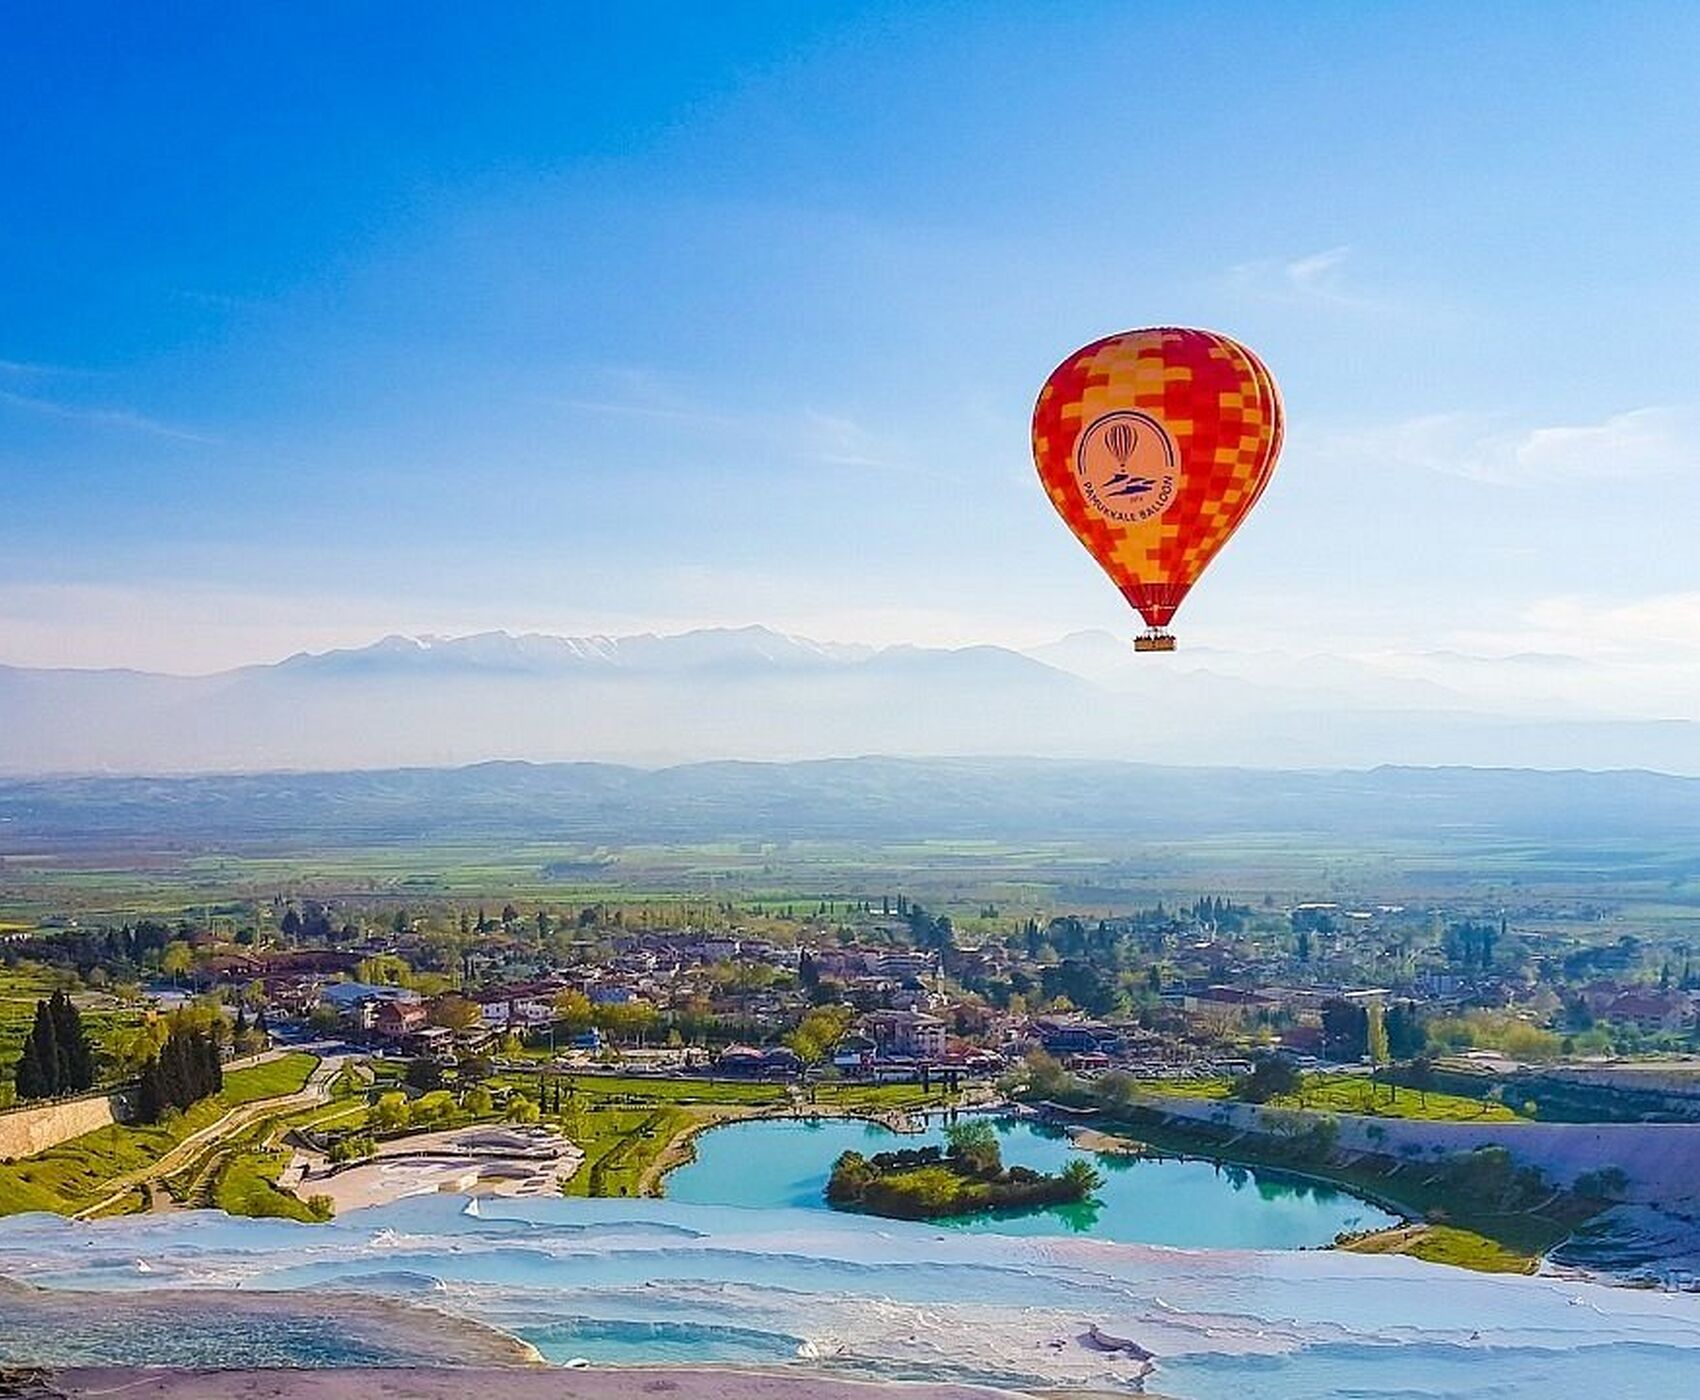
x: 522, y: 1007
x: 357, y: 1003
x: 909, y: 1033
x: 397, y: 1020
x: 1652, y: 1011
x: 1071, y: 1039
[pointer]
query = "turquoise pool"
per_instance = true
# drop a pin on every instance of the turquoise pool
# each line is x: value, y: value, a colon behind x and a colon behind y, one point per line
x: 1185, y: 1203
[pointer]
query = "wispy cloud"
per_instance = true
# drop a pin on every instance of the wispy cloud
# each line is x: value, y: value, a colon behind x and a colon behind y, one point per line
x: 119, y: 419
x: 1314, y: 278
x: 222, y: 301
x: 34, y: 369
x: 1642, y: 442
x: 832, y: 439
x: 1662, y: 627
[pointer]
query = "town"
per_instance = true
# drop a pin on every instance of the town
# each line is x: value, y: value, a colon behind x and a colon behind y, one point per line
x: 404, y: 1025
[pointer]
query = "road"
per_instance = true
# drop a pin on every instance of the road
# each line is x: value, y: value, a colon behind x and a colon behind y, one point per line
x: 314, y: 1092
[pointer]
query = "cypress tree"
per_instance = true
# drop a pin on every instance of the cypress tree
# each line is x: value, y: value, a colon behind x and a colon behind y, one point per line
x: 173, y: 1082
x: 76, y: 1056
x: 261, y: 1026
x: 46, y: 1051
x: 30, y: 1081
x: 150, y: 1102
x: 215, y: 1067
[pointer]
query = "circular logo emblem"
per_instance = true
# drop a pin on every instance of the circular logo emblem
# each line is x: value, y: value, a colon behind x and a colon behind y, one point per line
x: 1125, y: 463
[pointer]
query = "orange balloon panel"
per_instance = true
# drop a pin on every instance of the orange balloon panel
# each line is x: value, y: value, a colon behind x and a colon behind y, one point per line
x: 1153, y: 445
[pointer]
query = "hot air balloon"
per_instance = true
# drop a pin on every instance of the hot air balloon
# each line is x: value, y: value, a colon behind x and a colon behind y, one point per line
x: 1153, y: 445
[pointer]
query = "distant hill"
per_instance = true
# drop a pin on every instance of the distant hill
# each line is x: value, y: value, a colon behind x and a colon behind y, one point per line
x: 753, y: 693
x: 874, y: 799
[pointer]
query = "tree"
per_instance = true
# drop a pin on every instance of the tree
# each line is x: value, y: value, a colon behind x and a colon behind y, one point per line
x: 1116, y: 1090
x: 186, y: 1070
x: 456, y: 1012
x: 1421, y: 1077
x: 390, y: 1114
x: 424, y: 1075
x: 1046, y: 1077
x: 44, y: 1036
x: 290, y: 927
x: 1082, y: 1177
x: 75, y: 1054
x: 1376, y: 1035
x: 30, y: 1078
x: 627, y: 1020
x: 177, y: 959
x: 1345, y: 1029
x: 1271, y: 1077
x: 819, y: 1032
x: 150, y: 1100
x: 1407, y: 1036
x: 573, y: 1012
x: 973, y: 1143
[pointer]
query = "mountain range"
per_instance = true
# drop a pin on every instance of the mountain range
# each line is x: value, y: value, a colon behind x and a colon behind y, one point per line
x: 757, y: 694
x: 1644, y: 826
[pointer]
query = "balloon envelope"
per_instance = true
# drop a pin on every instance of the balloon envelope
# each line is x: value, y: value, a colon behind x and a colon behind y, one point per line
x: 1153, y: 445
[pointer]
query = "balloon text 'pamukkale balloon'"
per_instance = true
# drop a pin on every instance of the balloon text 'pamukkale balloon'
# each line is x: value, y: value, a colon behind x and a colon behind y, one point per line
x: 1153, y: 445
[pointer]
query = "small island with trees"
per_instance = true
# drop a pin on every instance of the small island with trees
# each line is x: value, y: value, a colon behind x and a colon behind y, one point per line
x: 964, y: 1177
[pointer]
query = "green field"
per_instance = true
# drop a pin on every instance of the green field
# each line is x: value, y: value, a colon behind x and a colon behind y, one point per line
x: 20, y: 989
x: 1447, y: 1244
x: 1352, y: 1093
x: 75, y: 1174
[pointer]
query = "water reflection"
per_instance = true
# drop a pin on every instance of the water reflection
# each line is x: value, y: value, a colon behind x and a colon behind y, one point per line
x: 1145, y: 1197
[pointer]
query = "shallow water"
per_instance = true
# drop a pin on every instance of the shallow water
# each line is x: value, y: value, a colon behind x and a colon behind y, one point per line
x: 632, y: 1281
x: 1190, y: 1204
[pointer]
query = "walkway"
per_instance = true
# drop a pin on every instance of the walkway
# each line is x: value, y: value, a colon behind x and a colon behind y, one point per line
x: 314, y: 1092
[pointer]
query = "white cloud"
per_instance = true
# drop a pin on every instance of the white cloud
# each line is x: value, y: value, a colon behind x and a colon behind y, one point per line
x: 1642, y: 442
x: 1315, y: 272
x: 832, y: 439
x: 1314, y: 277
x: 1662, y: 627
x: 123, y: 419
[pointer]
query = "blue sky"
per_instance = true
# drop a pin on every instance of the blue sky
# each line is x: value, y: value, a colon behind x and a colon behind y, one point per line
x: 319, y: 322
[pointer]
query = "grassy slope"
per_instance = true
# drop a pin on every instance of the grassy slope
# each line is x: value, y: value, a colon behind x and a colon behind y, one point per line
x: 1352, y: 1093
x: 70, y: 1176
x: 1447, y: 1244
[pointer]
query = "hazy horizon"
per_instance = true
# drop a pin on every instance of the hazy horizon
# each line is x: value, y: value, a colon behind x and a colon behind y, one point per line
x: 760, y: 694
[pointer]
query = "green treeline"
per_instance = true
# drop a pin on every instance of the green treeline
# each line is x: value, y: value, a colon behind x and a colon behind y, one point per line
x: 57, y: 1057
x: 186, y: 1070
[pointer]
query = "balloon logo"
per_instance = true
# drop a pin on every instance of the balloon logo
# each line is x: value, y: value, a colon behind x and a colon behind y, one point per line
x: 1153, y: 446
x: 1120, y: 439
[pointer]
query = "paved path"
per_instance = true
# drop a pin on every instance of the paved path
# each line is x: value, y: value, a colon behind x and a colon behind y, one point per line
x: 314, y: 1092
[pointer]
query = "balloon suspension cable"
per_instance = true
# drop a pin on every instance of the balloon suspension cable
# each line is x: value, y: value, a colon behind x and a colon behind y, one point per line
x: 1154, y: 639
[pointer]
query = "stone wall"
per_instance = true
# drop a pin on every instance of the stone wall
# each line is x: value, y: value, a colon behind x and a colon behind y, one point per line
x: 26, y: 1131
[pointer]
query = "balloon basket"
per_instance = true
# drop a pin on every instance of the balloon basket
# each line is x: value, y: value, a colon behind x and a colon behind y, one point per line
x: 1154, y: 640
